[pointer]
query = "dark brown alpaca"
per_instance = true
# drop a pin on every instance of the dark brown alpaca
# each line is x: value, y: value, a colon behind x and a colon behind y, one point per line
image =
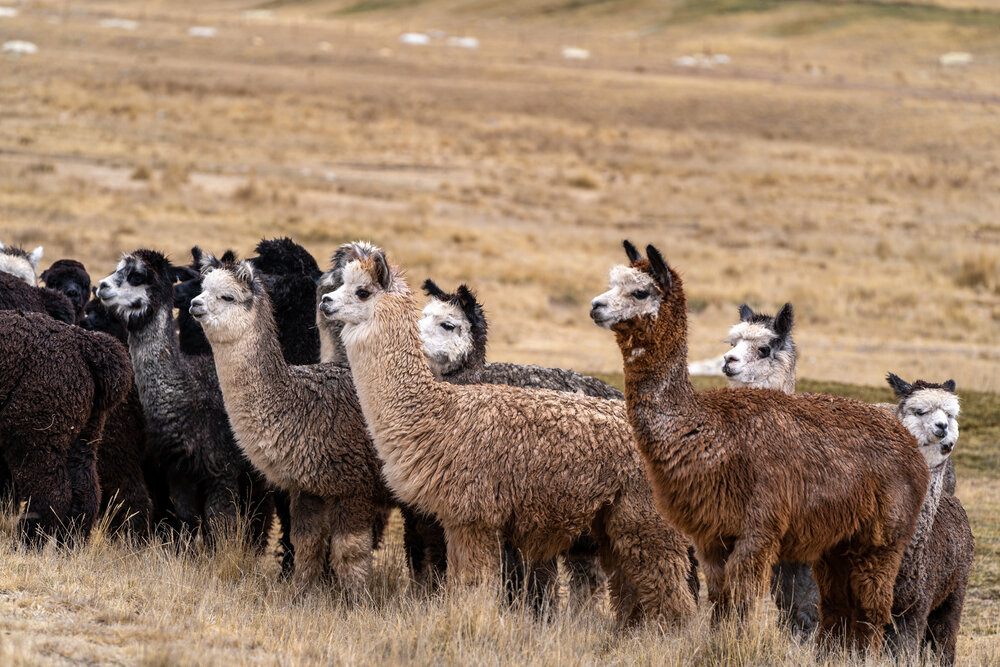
x: 755, y: 475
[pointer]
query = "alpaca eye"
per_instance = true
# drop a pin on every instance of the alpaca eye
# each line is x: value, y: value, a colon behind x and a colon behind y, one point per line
x: 641, y: 294
x: 764, y: 352
x: 363, y: 294
x: 920, y: 413
x: 135, y: 280
x: 447, y: 326
x: 228, y: 297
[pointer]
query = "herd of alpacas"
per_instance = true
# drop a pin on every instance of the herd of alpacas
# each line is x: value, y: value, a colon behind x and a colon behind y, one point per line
x: 326, y: 400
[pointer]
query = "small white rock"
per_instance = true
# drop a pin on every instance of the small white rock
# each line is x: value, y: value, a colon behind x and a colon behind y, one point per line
x: 7, y: 12
x: 686, y: 61
x: 721, y: 59
x: 575, y: 53
x: 19, y: 47
x: 955, y: 58
x: 118, y: 24
x: 470, y: 43
x: 324, y: 46
x: 202, y: 31
x: 414, y: 39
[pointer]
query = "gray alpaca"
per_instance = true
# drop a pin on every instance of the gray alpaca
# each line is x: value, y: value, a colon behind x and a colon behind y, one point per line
x: 210, y: 481
x: 932, y: 580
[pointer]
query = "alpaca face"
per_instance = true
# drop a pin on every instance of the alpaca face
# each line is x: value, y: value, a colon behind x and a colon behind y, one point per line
x: 354, y: 301
x: 633, y: 294
x: 71, y: 278
x: 763, y: 353
x: 446, y: 335
x: 931, y: 415
x: 21, y: 264
x: 224, y: 306
x: 127, y: 291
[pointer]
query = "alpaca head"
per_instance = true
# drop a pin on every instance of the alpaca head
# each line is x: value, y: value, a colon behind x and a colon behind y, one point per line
x: 282, y: 257
x: 763, y: 352
x: 453, y: 329
x: 189, y: 278
x: 97, y: 317
x: 930, y: 412
x: 361, y: 276
x: 226, y: 303
x: 644, y: 297
x: 141, y: 285
x: 21, y: 264
x: 71, y: 278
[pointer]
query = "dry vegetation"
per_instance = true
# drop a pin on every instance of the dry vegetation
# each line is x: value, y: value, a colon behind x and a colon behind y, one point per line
x: 833, y: 163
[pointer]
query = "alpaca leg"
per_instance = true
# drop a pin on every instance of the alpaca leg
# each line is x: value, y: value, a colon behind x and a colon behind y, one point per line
x: 42, y: 480
x: 543, y: 585
x: 351, y: 542
x: 904, y: 635
x: 310, y: 531
x: 583, y: 567
x: 282, y: 508
x: 836, y: 601
x: 943, y: 624
x: 747, y: 570
x: 473, y: 555
x: 81, y: 464
x: 795, y: 594
x: 713, y: 565
x: 694, y: 584
x: 623, y: 596
x: 221, y: 509
x: 655, y: 560
x: 872, y: 580
x: 424, y: 543
x: 186, y: 500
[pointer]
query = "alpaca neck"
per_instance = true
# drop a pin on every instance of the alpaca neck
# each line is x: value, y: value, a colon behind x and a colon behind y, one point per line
x: 656, y: 369
x: 252, y: 366
x: 928, y: 511
x: 155, y: 354
x: 331, y: 347
x: 394, y: 384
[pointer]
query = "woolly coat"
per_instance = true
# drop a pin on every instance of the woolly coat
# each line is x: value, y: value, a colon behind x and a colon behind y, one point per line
x: 15, y: 294
x: 56, y: 384
x: 301, y: 426
x: 755, y: 475
x: 535, y: 467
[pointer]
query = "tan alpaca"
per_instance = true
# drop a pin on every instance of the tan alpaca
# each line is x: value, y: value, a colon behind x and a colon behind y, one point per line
x: 495, y: 463
x: 756, y: 475
x: 299, y: 425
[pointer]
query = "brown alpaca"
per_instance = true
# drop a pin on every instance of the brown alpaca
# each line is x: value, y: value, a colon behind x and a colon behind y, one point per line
x: 755, y: 475
x: 299, y: 425
x: 494, y: 463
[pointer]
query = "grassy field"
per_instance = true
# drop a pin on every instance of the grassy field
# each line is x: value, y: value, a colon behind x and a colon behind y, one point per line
x: 828, y: 159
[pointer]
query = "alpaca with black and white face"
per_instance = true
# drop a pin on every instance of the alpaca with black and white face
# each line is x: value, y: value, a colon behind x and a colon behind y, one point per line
x: 447, y: 328
x: 133, y: 292
x: 17, y: 262
x: 930, y: 412
x: 763, y: 352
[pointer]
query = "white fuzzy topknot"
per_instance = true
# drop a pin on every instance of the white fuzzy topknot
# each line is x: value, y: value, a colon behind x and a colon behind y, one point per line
x: 619, y: 304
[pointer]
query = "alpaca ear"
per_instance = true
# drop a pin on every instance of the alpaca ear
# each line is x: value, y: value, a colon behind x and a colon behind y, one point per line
x: 949, y: 386
x: 196, y: 254
x: 45, y: 275
x: 468, y: 300
x: 179, y: 274
x: 783, y: 321
x: 432, y: 290
x: 244, y: 272
x: 35, y: 257
x: 229, y: 257
x: 208, y: 262
x: 382, y: 270
x: 899, y: 387
x: 631, y: 252
x: 746, y: 314
x: 661, y: 272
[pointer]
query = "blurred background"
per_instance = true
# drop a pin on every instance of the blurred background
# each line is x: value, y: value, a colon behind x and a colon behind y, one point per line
x: 844, y: 156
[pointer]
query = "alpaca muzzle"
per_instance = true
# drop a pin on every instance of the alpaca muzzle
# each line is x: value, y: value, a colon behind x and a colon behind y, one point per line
x: 197, y: 308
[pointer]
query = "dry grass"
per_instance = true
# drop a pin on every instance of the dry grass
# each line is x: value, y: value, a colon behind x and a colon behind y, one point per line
x: 833, y: 163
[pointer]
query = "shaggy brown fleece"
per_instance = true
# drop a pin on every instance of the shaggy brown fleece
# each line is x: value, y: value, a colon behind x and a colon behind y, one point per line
x: 301, y: 426
x: 754, y: 476
x: 56, y: 383
x: 495, y: 463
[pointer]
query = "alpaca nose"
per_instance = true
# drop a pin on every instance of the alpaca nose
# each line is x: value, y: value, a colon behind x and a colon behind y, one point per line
x: 946, y: 447
x: 102, y: 288
x: 940, y: 429
x: 595, y: 308
x: 726, y: 369
x: 197, y: 306
x: 328, y: 297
